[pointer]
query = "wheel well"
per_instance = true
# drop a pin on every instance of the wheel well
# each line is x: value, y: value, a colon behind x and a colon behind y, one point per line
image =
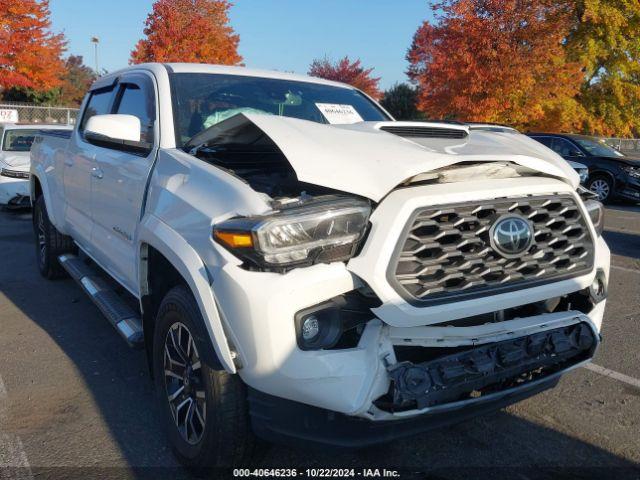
x: 602, y: 173
x: 36, y: 189
x: 158, y: 277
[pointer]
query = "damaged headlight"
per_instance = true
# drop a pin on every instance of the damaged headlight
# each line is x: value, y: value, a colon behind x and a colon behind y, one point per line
x: 317, y: 231
x: 633, y: 171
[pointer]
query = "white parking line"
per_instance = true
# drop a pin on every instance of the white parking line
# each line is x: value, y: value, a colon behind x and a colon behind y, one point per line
x: 625, y: 269
x: 12, y: 454
x: 621, y: 377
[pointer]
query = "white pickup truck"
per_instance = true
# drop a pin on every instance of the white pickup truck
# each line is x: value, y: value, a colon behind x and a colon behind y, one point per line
x: 301, y: 267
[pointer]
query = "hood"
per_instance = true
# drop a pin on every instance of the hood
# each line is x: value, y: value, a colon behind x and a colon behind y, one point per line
x: 367, y: 161
x: 634, y: 162
x: 15, y: 159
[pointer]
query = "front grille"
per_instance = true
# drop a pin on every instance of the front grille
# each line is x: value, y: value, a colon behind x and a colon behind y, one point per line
x: 13, y: 173
x: 426, y: 132
x: 445, y: 252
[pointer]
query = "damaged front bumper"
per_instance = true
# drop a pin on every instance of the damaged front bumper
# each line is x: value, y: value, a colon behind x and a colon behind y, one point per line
x: 494, y: 367
x: 449, y: 389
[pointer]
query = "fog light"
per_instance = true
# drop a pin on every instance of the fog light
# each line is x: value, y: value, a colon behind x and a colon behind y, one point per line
x: 598, y: 288
x: 310, y: 328
x: 318, y: 327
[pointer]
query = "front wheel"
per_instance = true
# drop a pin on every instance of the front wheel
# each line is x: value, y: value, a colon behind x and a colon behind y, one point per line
x: 602, y: 186
x: 205, y: 410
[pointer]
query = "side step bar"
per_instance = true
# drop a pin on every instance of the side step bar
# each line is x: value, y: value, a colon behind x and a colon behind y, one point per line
x: 124, y: 318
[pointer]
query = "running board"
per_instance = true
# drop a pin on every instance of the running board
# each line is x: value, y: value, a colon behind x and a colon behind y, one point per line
x: 123, y: 318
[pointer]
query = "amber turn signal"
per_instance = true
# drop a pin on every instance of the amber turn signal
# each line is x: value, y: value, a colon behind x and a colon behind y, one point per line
x: 234, y: 239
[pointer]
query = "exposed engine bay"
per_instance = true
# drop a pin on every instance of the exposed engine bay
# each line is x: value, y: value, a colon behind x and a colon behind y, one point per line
x: 249, y: 153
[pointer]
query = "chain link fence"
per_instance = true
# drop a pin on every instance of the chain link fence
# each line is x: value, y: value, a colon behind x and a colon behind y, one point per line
x: 37, y: 114
x: 628, y: 146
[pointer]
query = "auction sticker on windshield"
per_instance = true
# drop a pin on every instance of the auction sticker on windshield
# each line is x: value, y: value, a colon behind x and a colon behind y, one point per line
x: 338, y: 114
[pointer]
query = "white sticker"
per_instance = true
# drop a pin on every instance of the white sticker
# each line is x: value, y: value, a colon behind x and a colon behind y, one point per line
x: 338, y: 114
x: 7, y: 115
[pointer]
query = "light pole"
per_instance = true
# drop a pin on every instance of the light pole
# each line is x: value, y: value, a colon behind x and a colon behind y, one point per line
x: 95, y: 41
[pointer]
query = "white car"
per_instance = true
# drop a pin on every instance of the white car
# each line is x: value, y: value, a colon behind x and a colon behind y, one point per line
x: 304, y: 268
x: 15, y: 143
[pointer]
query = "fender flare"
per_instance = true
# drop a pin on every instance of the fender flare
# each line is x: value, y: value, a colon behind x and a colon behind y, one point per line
x: 167, y: 241
x: 41, y: 176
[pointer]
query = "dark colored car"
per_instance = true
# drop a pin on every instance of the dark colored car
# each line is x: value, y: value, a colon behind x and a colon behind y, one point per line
x: 612, y: 175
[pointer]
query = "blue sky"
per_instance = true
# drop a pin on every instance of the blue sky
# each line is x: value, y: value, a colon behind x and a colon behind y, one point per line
x: 274, y: 34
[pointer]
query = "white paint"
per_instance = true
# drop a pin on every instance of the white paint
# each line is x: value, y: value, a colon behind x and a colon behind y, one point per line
x: 12, y: 453
x: 621, y: 377
x: 362, y: 159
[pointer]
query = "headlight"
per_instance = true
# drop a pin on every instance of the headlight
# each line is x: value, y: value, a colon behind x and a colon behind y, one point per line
x: 596, y: 214
x: 319, y: 231
x: 632, y: 171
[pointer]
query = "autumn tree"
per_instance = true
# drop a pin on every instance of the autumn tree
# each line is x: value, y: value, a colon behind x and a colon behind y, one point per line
x: 76, y: 80
x: 498, y: 61
x: 347, y: 71
x: 188, y: 31
x: 30, y: 54
x: 605, y: 38
x: 401, y: 102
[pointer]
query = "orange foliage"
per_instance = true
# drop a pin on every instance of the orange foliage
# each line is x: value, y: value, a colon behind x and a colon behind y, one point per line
x: 498, y: 61
x: 188, y: 31
x: 346, y: 71
x: 30, y: 54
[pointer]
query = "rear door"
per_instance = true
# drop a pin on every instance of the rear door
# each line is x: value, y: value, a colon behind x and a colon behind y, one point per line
x: 119, y: 185
x: 79, y: 165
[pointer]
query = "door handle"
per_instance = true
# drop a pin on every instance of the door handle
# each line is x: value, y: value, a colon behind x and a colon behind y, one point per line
x: 96, y: 172
x: 68, y: 162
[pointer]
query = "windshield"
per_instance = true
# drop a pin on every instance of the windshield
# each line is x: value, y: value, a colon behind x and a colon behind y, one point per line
x: 201, y: 100
x: 598, y: 148
x: 18, y: 140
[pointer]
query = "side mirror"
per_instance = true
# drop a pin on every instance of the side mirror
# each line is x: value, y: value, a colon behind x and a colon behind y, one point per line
x: 116, y: 131
x: 575, y: 153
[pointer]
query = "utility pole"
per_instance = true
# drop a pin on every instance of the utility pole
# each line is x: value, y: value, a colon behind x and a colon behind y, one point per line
x: 95, y: 41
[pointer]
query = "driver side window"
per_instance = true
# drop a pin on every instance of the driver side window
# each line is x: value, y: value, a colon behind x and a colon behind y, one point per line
x: 563, y: 147
x: 135, y: 100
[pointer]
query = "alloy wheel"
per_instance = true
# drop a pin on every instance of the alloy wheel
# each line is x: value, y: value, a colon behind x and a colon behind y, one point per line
x: 600, y: 188
x: 184, y: 383
x: 42, y: 244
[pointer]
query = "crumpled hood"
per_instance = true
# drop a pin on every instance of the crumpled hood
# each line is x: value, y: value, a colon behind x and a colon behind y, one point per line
x: 15, y: 159
x: 361, y: 159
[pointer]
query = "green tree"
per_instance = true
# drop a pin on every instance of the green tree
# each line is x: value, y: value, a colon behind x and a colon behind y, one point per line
x: 401, y: 102
x: 605, y: 39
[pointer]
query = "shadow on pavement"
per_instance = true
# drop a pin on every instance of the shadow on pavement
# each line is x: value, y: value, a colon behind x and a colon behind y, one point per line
x: 117, y: 381
x: 622, y: 243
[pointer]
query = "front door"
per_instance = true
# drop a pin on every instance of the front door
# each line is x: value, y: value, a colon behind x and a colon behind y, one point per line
x: 119, y: 183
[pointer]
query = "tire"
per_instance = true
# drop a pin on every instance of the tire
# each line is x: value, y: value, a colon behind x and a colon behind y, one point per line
x: 602, y: 186
x: 49, y: 243
x: 220, y: 433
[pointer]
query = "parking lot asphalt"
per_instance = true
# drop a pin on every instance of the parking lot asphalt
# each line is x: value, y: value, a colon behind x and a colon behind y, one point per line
x: 76, y: 401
